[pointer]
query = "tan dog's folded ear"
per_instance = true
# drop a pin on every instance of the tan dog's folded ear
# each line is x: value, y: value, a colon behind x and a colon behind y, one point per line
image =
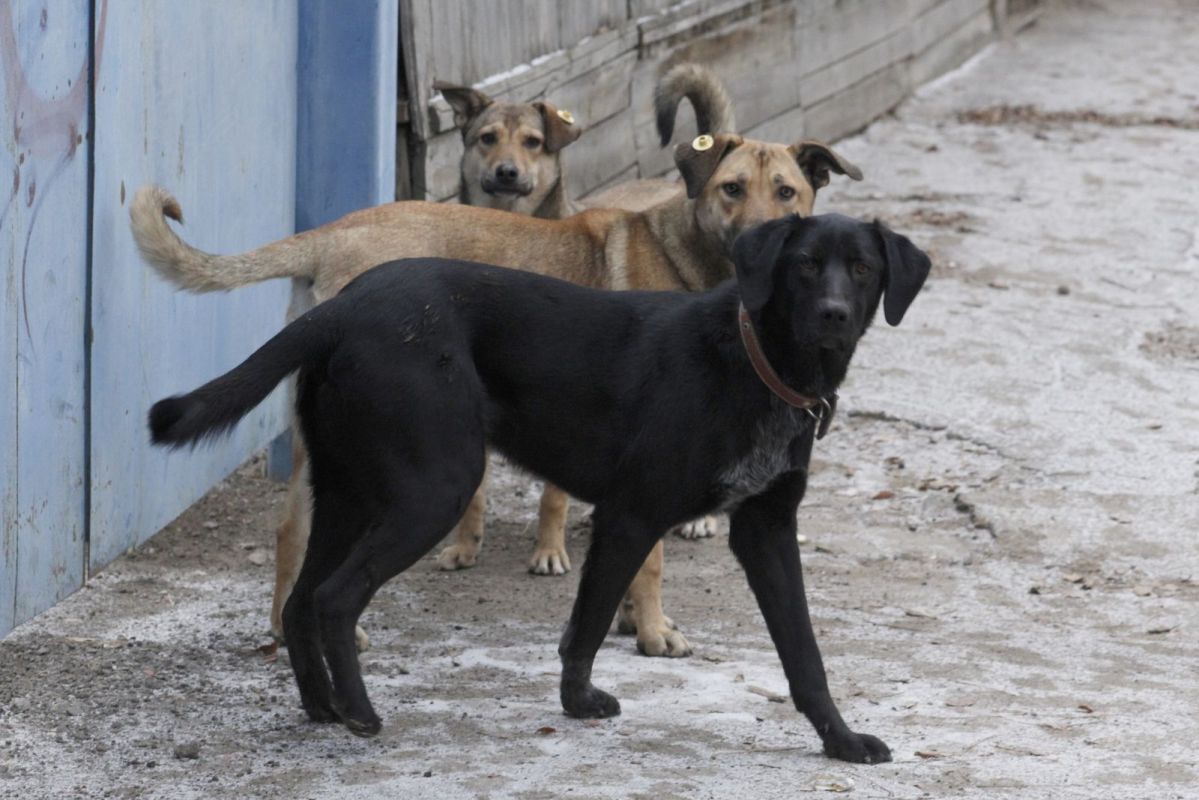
x: 817, y: 158
x: 697, y: 161
x: 559, y: 124
x: 466, y: 102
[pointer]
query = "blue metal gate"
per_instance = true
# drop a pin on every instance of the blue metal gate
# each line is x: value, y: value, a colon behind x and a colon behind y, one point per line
x: 204, y: 98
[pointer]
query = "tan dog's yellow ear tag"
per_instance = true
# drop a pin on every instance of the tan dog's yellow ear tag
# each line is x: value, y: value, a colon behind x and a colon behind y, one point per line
x: 566, y: 116
x: 703, y: 142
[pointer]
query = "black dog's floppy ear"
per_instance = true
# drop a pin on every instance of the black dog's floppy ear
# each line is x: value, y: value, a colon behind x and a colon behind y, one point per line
x: 817, y: 158
x: 559, y: 126
x: 756, y: 253
x: 466, y: 102
x: 697, y: 161
x: 907, y: 267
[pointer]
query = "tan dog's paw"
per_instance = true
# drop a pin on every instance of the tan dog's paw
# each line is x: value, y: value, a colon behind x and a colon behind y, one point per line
x: 549, y: 561
x: 701, y: 528
x: 663, y: 641
x: 457, y: 556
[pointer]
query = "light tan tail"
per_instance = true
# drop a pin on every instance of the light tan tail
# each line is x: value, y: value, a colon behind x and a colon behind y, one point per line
x: 197, y: 271
x: 713, y: 108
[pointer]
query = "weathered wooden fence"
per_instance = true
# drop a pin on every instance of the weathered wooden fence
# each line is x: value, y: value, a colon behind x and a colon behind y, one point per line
x: 100, y: 97
x: 795, y: 68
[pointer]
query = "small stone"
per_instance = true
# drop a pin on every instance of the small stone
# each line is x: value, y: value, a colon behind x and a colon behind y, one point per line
x: 258, y: 558
x: 188, y: 751
x: 1063, y: 289
x: 211, y: 524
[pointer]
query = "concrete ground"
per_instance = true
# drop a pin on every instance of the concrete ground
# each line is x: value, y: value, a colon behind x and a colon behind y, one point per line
x: 1001, y: 554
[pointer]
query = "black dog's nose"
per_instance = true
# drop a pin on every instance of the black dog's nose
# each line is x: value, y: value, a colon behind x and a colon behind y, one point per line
x: 834, y: 313
x: 507, y: 172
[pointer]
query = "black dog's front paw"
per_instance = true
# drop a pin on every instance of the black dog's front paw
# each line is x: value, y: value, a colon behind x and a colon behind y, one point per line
x: 366, y: 728
x: 364, y: 722
x: 588, y: 702
x: 319, y: 712
x: 858, y: 748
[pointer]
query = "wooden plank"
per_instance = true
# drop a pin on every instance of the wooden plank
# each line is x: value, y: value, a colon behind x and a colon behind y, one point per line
x: 683, y: 20
x: 641, y: 8
x: 840, y: 75
x: 786, y: 128
x: 629, y: 173
x: 602, y: 152
x: 827, y: 38
x: 943, y: 19
x: 590, y: 18
x: 43, y: 255
x: 597, y: 95
x: 854, y: 108
x: 416, y: 48
x: 475, y: 40
x: 953, y: 48
x: 204, y: 104
x: 443, y: 173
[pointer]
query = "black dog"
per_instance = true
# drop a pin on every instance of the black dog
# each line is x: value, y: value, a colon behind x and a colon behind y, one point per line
x: 657, y: 407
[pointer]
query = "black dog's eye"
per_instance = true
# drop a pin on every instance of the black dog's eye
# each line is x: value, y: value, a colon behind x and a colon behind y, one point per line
x: 489, y: 138
x: 732, y: 189
x: 786, y: 193
x: 861, y: 269
x: 532, y: 142
x: 807, y: 264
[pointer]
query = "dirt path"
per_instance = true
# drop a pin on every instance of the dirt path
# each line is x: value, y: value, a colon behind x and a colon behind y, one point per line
x: 1002, y: 554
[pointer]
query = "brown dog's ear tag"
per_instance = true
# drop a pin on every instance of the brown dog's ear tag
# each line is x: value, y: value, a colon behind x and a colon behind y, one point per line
x: 559, y: 125
x: 697, y: 161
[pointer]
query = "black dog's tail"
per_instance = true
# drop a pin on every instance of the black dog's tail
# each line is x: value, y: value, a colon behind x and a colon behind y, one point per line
x: 218, y: 405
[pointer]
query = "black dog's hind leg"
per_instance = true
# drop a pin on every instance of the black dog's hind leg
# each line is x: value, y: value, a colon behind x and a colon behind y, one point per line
x: 618, y: 547
x: 762, y: 535
x: 336, y: 523
x: 423, y: 511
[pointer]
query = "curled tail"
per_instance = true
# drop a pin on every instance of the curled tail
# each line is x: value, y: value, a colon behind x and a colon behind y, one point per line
x: 218, y: 405
x: 713, y: 108
x: 197, y: 271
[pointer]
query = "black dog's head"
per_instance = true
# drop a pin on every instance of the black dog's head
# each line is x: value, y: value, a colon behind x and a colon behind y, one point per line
x: 813, y: 284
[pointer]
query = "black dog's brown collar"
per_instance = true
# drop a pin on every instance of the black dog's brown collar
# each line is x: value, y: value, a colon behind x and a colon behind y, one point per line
x: 819, y: 408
